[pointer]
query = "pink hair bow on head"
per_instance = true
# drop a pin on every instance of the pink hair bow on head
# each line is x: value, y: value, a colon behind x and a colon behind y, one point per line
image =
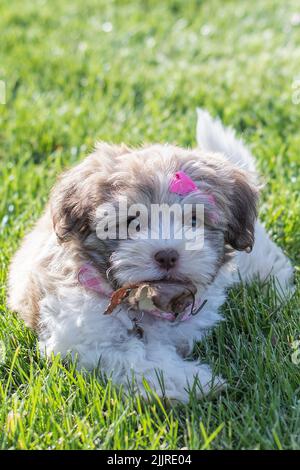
x: 182, y: 184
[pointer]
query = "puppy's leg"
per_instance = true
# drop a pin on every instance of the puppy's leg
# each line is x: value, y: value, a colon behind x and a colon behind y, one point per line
x: 178, y: 375
x: 73, y: 322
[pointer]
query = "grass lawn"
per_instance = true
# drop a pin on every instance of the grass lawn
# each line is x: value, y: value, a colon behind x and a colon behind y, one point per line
x: 134, y: 71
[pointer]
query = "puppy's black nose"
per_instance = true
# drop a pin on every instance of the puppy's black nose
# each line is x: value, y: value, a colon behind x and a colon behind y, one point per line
x: 166, y: 259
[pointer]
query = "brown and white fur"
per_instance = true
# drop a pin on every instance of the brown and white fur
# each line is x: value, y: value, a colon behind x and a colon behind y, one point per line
x: 43, y: 284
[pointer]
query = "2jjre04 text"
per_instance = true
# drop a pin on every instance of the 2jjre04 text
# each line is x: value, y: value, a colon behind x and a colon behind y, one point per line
x: 158, y: 460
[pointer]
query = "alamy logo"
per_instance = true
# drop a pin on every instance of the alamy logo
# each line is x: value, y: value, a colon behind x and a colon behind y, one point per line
x: 2, y: 92
x: 2, y: 352
x: 159, y: 222
x: 296, y: 91
x: 295, y: 345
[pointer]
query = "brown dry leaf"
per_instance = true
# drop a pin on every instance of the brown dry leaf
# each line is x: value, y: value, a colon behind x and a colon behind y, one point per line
x: 163, y: 295
x: 117, y: 297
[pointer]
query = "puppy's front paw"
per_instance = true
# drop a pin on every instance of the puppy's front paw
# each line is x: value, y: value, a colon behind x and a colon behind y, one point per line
x: 192, y: 380
x: 202, y: 382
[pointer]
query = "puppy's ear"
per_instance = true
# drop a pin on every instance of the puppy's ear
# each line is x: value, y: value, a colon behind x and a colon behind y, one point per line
x: 241, y: 210
x: 79, y: 191
x: 72, y: 201
x: 235, y: 195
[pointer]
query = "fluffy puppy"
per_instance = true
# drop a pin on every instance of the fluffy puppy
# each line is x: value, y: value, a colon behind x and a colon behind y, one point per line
x: 43, y: 281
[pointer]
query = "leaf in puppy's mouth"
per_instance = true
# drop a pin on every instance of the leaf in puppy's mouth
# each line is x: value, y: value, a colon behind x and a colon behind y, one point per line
x: 172, y: 296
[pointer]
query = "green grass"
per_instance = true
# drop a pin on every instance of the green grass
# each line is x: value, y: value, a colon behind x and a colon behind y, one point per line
x: 70, y: 81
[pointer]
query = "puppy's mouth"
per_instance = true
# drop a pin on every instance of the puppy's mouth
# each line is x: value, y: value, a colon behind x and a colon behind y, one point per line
x: 112, y: 277
x: 153, y: 296
x: 174, y: 296
x: 169, y: 291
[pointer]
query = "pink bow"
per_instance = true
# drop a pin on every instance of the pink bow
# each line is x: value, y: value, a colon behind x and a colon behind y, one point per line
x: 182, y: 184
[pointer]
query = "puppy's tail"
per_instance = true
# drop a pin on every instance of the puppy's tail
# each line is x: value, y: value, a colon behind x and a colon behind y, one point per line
x: 212, y: 136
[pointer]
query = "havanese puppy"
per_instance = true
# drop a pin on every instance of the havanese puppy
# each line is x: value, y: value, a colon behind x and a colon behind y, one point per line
x: 92, y: 282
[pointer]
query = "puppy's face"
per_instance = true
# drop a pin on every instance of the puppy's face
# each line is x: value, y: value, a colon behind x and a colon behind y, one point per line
x: 122, y: 189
